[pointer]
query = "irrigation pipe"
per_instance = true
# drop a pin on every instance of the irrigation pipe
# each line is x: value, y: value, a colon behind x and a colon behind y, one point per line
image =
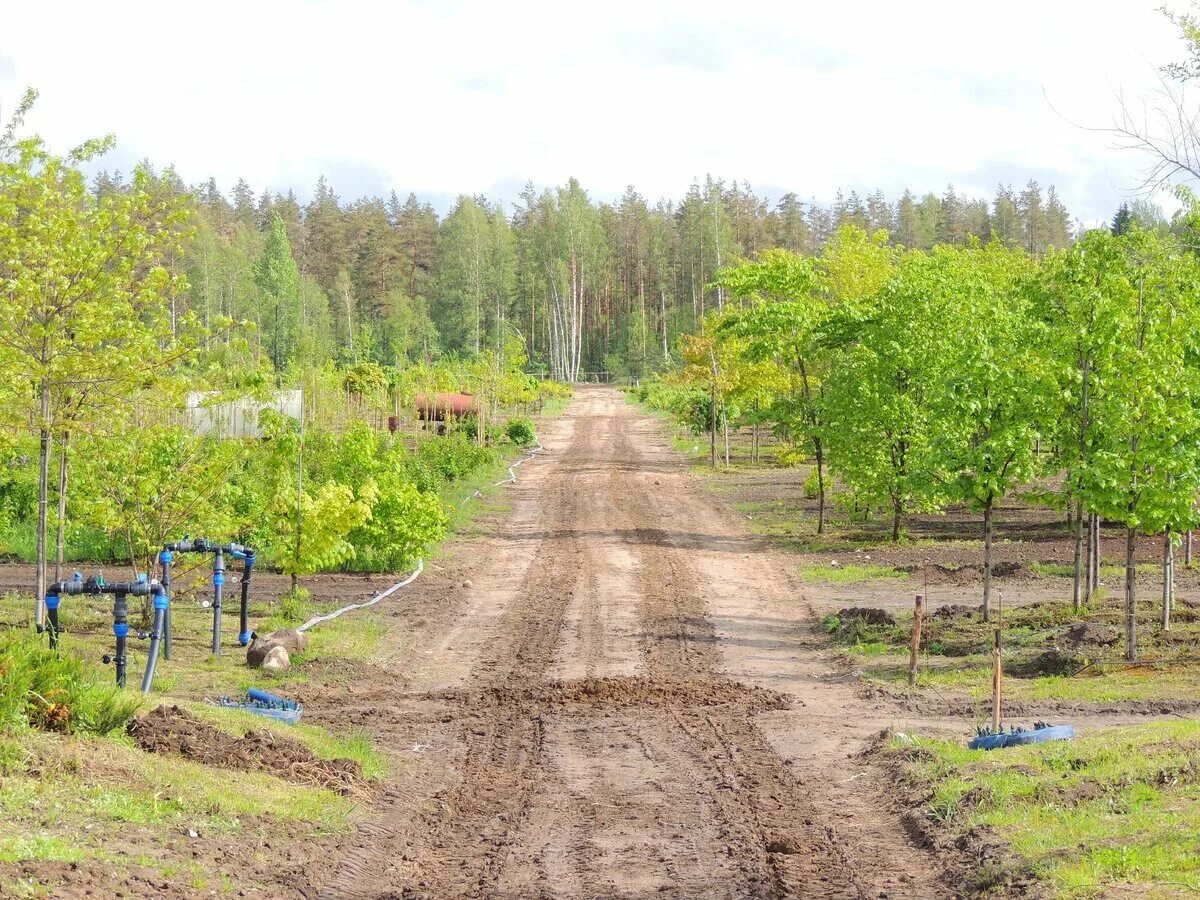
x: 411, y: 577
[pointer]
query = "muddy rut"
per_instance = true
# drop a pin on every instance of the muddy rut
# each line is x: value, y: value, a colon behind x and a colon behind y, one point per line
x: 616, y: 700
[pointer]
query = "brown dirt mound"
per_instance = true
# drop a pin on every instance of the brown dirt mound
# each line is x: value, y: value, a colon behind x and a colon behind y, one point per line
x: 1090, y: 634
x: 174, y: 731
x: 955, y: 611
x: 626, y: 692
x: 867, y: 614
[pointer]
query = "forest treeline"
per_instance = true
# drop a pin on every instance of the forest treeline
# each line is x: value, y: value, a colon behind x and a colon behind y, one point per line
x: 590, y: 287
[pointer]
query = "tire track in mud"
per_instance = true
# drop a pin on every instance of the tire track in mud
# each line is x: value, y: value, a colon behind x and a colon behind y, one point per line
x: 453, y: 846
x: 654, y: 782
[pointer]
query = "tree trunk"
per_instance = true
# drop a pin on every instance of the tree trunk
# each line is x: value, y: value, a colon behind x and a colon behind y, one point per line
x: 897, y: 513
x: 820, y: 451
x: 43, y: 504
x: 1095, y: 579
x: 1168, y: 591
x: 1077, y: 584
x: 987, y: 559
x: 725, y: 421
x: 1187, y: 550
x: 1130, y: 595
x: 60, y: 526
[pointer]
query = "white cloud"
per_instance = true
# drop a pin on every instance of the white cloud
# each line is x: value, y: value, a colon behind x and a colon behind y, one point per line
x: 444, y: 98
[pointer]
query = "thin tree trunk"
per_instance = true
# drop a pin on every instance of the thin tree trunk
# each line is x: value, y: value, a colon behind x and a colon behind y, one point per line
x: 1095, y: 552
x: 820, y: 453
x: 897, y: 513
x: 1187, y: 550
x: 43, y: 504
x: 1168, y: 591
x: 663, y: 315
x: 987, y: 559
x: 1130, y: 594
x: 60, y: 526
x: 1077, y: 584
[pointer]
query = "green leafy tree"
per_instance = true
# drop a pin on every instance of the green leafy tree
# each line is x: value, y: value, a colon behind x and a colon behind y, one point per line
x: 890, y: 352
x: 992, y: 389
x: 278, y: 282
x: 779, y: 326
x: 86, y: 310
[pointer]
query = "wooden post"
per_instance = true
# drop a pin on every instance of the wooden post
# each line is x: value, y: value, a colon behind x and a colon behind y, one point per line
x: 996, y: 678
x: 918, y: 617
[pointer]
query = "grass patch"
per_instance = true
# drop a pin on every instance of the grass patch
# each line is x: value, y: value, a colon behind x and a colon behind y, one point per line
x: 51, y: 691
x: 850, y: 573
x: 1117, y: 808
x: 1110, y: 572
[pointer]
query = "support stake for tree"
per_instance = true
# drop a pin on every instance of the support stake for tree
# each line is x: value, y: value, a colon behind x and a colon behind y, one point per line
x: 996, y: 678
x: 918, y: 617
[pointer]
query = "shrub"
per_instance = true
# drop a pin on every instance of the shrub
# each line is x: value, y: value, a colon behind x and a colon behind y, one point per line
x: 453, y: 456
x: 520, y: 432
x: 51, y: 691
x: 812, y: 486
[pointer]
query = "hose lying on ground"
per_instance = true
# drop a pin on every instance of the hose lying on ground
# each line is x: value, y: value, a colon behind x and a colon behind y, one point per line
x: 409, y: 579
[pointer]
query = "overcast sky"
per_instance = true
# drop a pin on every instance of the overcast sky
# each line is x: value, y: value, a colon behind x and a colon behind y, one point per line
x: 444, y: 97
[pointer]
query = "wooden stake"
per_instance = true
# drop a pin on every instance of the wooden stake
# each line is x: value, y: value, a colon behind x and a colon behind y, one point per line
x: 918, y: 617
x: 996, y: 677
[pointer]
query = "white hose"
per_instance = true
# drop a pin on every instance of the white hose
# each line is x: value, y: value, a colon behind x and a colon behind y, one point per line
x: 317, y: 620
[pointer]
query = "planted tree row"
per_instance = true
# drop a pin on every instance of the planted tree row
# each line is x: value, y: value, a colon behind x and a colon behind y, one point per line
x: 921, y: 379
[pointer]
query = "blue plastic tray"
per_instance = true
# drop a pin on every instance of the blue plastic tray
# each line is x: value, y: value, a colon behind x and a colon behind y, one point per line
x: 1023, y: 736
x: 288, y: 716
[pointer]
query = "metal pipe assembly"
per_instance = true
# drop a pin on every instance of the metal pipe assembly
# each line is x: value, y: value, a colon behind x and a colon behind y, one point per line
x: 120, y: 591
x: 202, y: 545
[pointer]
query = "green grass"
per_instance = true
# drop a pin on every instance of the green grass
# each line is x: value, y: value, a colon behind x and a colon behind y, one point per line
x: 850, y: 573
x: 68, y: 796
x: 971, y: 676
x: 1113, y: 808
x: 1111, y: 572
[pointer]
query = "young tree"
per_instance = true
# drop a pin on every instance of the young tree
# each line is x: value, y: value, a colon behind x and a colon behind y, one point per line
x: 1146, y: 462
x: 890, y: 350
x: 992, y: 390
x: 85, y: 311
x: 779, y: 326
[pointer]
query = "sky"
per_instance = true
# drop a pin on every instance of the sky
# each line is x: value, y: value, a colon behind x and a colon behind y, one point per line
x: 446, y: 97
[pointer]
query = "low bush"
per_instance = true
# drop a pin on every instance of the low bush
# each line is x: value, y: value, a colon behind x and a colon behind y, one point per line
x: 453, y: 456
x: 54, y: 691
x: 520, y: 432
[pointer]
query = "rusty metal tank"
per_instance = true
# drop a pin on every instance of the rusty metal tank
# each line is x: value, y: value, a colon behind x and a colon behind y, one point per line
x: 438, y: 407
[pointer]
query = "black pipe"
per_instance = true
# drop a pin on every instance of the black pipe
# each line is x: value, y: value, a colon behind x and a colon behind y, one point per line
x: 52, y: 601
x: 165, y: 558
x: 244, y: 623
x: 162, y: 609
x: 203, y: 545
x: 120, y: 590
x: 218, y: 591
x: 121, y: 631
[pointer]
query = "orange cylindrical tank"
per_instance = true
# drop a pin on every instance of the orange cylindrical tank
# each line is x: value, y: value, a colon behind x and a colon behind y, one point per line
x: 439, y: 406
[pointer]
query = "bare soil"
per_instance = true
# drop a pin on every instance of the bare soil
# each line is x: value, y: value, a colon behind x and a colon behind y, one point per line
x: 616, y: 691
x: 172, y: 731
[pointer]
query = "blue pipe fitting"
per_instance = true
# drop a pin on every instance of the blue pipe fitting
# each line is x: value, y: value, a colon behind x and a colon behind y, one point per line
x: 161, y: 601
x: 166, y: 556
x: 52, y: 601
x: 121, y: 629
x: 218, y: 578
x: 244, y: 638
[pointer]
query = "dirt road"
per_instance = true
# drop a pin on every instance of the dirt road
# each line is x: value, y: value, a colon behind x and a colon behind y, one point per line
x: 615, y: 691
